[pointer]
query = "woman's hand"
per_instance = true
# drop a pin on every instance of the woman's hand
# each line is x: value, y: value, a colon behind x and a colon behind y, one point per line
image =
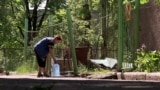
x: 54, y: 61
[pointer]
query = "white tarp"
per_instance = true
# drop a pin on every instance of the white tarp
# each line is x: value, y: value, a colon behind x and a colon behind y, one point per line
x: 108, y: 62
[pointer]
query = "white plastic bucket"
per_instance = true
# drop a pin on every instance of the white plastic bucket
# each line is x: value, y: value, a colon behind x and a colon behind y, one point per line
x: 55, y: 70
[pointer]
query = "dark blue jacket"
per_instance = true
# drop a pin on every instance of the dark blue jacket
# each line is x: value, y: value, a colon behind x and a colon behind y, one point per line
x: 42, y: 48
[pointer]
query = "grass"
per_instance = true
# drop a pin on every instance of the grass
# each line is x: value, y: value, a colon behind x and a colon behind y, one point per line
x: 83, y: 69
x: 31, y: 67
x: 26, y: 67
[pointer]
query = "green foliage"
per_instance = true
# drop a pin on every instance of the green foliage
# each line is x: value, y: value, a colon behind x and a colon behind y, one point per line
x: 158, y: 2
x: 12, y: 57
x: 12, y: 14
x: 10, y: 19
x: 144, y: 1
x: 83, y: 69
x: 82, y: 33
x: 147, y: 61
x: 27, y: 67
x: 141, y: 1
x: 12, y: 25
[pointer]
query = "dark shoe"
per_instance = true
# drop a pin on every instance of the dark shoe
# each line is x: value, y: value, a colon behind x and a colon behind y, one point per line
x: 46, y: 75
x: 40, y: 75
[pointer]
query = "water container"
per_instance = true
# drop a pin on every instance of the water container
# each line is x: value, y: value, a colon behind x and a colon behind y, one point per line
x: 55, y: 70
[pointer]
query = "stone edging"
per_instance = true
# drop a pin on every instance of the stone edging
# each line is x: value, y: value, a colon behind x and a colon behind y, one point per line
x: 138, y: 76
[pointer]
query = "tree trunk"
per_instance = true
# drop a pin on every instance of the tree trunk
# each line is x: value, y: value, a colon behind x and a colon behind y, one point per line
x: 104, y: 31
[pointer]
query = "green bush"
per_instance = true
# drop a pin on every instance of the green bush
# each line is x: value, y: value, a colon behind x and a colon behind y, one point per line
x: 27, y: 67
x: 147, y: 61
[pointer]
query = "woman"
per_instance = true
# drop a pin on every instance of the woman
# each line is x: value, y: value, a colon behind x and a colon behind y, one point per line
x: 43, y: 48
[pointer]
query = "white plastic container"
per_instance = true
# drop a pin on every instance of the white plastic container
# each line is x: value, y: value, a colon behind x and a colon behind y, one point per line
x: 55, y: 70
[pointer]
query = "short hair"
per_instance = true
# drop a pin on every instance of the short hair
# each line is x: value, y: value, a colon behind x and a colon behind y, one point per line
x: 58, y: 37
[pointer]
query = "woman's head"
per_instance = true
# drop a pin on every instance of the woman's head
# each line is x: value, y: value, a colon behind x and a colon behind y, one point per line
x: 57, y: 38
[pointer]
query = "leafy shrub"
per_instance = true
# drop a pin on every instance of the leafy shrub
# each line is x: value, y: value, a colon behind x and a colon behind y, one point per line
x: 27, y: 67
x: 147, y: 61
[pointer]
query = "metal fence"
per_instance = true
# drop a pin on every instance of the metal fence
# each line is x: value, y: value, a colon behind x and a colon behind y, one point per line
x: 11, y: 58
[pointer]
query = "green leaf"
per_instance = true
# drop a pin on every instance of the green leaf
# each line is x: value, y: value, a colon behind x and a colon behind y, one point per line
x: 144, y: 1
x: 18, y: 0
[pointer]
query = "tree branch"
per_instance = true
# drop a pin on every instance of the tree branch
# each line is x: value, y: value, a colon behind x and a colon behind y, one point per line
x: 43, y: 15
x: 27, y: 9
x: 34, y: 17
x: 20, y: 30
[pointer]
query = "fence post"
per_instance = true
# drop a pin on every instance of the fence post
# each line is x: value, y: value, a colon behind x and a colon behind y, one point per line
x: 50, y: 33
x: 120, y: 34
x: 71, y: 39
x: 25, y: 38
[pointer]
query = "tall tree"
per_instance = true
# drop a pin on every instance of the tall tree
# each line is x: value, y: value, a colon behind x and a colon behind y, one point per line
x: 104, y: 30
x: 36, y: 14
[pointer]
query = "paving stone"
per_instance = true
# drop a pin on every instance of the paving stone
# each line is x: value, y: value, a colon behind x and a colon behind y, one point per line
x: 131, y: 75
x: 153, y: 76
